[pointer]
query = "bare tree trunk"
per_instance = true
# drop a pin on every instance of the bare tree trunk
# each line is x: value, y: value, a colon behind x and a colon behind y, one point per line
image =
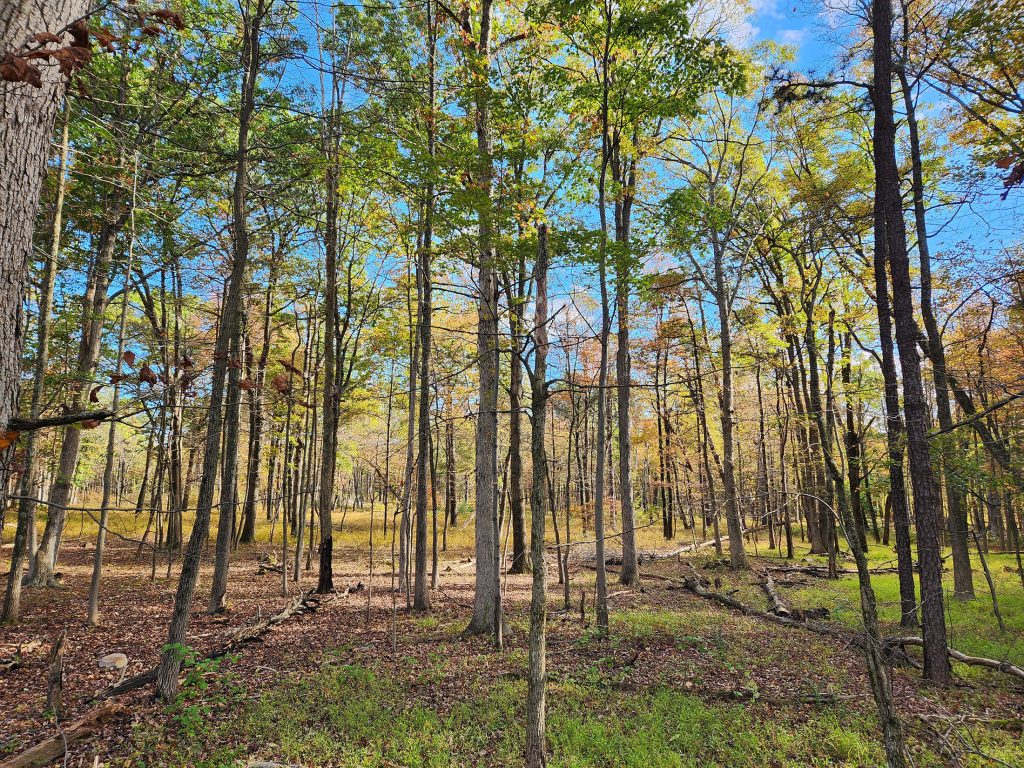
x: 956, y: 501
x: 535, y: 720
x: 93, y: 306
x: 252, y: 483
x: 878, y: 673
x: 487, y: 597
x: 891, y: 235
x: 171, y: 657
x: 108, y: 469
x: 421, y: 591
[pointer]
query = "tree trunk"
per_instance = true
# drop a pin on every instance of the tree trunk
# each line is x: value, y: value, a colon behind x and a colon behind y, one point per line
x: 27, y: 116
x: 537, y: 678
x: 487, y: 597
x: 737, y: 555
x: 956, y: 501
x: 891, y: 235
x: 171, y: 657
x: 108, y: 469
x: 25, y: 532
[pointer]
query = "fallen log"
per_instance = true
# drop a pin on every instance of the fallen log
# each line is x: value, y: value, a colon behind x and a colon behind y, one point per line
x: 768, y: 585
x: 45, y: 752
x: 305, y: 603
x: 694, y: 585
x: 652, y: 556
x: 974, y: 661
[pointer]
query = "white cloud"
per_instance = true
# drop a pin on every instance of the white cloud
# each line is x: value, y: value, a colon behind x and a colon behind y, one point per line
x: 794, y: 37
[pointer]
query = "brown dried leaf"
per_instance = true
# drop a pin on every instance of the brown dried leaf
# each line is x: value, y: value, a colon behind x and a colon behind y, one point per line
x: 46, y: 37
x: 169, y: 17
x: 280, y: 383
x: 16, y: 69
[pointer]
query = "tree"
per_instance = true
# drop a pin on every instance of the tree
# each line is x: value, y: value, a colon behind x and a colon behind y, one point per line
x: 890, y: 238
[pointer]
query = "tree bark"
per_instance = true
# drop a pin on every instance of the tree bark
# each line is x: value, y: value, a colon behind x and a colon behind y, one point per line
x: 487, y: 597
x: 537, y: 679
x: 27, y: 116
x: 890, y: 234
x: 239, y: 256
x: 25, y: 532
x: 171, y: 657
x: 956, y: 501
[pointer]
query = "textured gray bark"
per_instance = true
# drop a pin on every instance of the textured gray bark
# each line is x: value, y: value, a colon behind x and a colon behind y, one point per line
x: 27, y: 116
x: 24, y: 537
x: 487, y: 597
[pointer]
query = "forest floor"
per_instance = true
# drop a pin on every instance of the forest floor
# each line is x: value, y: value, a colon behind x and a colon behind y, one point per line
x: 681, y: 681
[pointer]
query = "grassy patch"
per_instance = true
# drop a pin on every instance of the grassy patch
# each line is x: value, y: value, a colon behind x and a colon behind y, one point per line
x: 971, y: 624
x: 350, y: 716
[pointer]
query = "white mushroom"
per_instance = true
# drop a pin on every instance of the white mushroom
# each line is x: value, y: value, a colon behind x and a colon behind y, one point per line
x: 114, y: 662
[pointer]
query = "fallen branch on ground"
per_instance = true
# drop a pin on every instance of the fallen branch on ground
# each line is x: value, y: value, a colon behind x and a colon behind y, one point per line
x: 963, y: 658
x: 305, y: 603
x: 45, y: 752
x: 694, y: 585
x: 768, y: 585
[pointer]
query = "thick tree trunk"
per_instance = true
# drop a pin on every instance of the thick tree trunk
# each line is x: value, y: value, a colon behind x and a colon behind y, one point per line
x: 487, y: 597
x: 24, y: 535
x: 27, y: 115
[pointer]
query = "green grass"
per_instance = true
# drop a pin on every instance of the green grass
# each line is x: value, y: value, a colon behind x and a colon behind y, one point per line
x: 971, y: 624
x: 348, y: 716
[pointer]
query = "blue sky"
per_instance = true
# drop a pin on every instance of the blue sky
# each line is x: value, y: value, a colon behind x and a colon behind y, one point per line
x: 818, y: 31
